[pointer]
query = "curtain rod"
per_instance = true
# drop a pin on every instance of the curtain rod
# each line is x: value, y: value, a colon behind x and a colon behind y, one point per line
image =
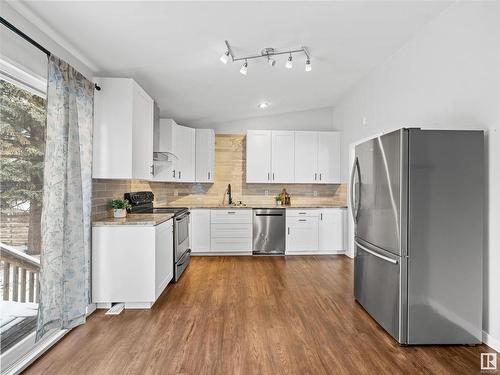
x: 10, y: 26
x: 33, y: 42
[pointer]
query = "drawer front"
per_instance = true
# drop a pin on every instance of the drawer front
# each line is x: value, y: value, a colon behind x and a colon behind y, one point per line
x: 237, y: 215
x: 231, y: 244
x: 296, y: 212
x: 231, y: 230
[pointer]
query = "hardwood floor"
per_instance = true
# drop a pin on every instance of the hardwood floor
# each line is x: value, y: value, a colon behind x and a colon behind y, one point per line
x: 251, y: 315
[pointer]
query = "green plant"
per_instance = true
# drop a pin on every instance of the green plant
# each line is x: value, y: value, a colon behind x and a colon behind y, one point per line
x: 277, y: 198
x: 119, y: 204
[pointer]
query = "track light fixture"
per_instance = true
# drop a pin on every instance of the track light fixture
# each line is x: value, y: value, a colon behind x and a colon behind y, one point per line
x: 268, y: 54
x: 244, y: 68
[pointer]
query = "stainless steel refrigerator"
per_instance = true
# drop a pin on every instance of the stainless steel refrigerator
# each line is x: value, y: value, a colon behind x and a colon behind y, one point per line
x: 417, y: 201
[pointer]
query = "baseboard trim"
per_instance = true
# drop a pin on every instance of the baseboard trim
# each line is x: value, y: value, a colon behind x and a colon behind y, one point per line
x: 225, y: 253
x: 491, y: 341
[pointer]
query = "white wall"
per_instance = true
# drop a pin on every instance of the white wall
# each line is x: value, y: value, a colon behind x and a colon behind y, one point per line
x: 20, y: 51
x: 315, y: 119
x: 448, y: 76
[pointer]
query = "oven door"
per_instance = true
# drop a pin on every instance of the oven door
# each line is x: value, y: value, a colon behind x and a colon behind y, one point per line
x: 181, y: 235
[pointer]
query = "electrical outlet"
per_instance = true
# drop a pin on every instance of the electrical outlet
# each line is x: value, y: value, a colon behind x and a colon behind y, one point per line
x: 176, y: 193
x: 315, y: 193
x: 266, y: 192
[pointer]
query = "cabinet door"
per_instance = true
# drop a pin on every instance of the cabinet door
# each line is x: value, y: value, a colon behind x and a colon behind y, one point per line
x: 328, y: 157
x: 283, y: 156
x: 142, y: 134
x: 306, y: 157
x: 258, y: 156
x: 184, y: 148
x: 112, y: 150
x: 331, y: 229
x: 302, y: 234
x: 200, y: 231
x: 164, y: 256
x: 205, y: 155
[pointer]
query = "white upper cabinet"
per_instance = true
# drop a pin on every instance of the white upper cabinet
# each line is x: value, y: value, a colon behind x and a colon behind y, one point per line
x: 306, y: 157
x: 328, y: 157
x: 175, y: 150
x: 205, y: 155
x: 142, y: 134
x: 282, y: 156
x: 165, y: 160
x: 123, y: 130
x: 302, y: 157
x: 184, y: 140
x: 258, y: 156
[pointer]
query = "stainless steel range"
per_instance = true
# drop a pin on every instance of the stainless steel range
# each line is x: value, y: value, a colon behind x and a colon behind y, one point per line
x: 142, y: 203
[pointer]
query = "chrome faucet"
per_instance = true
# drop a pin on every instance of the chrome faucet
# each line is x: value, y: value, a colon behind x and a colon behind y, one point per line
x: 230, y: 201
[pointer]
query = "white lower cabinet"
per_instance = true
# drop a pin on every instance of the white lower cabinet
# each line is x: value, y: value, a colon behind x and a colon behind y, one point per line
x: 302, y: 234
x: 200, y: 231
x: 331, y: 229
x: 231, y: 231
x: 315, y: 231
x: 131, y: 264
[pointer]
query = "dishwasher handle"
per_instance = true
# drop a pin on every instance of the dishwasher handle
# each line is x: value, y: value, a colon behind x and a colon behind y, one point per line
x: 268, y: 214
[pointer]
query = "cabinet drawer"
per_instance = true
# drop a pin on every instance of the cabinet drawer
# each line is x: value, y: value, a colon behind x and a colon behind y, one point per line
x: 231, y: 244
x: 235, y: 216
x: 231, y: 230
x: 296, y: 212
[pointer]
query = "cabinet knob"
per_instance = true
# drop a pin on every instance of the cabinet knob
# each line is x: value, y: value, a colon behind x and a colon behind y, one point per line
x: 152, y: 170
x: 315, y: 176
x: 173, y: 173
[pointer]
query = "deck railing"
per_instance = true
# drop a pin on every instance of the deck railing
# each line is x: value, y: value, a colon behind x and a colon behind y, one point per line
x: 20, y: 274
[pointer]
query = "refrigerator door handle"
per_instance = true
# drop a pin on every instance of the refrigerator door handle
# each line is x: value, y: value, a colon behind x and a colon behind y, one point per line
x: 354, y: 211
x: 393, y: 261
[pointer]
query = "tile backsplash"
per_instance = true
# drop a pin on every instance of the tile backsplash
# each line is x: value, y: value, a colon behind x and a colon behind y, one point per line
x: 230, y: 168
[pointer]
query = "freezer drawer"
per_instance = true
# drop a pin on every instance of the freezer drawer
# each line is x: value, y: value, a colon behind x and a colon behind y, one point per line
x: 377, y: 285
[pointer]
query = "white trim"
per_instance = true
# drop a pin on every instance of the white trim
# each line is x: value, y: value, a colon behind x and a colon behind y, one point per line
x: 19, y: 75
x: 222, y: 253
x: 491, y: 341
x: 28, y: 358
x: 314, y: 253
x: 43, y: 26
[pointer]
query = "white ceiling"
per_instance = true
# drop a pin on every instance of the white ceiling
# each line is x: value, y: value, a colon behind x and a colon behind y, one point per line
x: 172, y: 49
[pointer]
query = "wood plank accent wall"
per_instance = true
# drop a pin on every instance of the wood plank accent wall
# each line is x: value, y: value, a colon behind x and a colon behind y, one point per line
x: 230, y: 155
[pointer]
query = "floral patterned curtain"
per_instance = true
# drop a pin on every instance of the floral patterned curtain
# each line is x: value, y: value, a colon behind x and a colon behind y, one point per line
x: 66, y: 221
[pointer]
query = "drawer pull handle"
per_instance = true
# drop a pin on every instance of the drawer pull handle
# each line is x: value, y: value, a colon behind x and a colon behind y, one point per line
x: 231, y: 212
x: 302, y: 219
x: 302, y: 213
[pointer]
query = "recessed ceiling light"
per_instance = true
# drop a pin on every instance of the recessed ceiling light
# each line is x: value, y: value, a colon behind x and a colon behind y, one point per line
x: 263, y: 105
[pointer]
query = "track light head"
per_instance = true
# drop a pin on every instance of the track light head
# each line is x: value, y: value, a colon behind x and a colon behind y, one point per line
x: 271, y: 61
x: 244, y: 68
x: 225, y: 57
x: 308, y: 65
x: 289, y: 62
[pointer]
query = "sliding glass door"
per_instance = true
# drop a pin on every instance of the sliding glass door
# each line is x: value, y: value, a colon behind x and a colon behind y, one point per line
x: 22, y: 147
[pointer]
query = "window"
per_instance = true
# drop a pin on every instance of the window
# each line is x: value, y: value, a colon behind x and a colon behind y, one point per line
x: 22, y: 146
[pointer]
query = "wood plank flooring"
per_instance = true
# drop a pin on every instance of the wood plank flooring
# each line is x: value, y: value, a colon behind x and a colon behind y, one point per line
x: 251, y: 315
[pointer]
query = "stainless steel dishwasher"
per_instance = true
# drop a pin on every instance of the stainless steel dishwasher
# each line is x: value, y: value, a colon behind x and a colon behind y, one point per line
x: 268, y: 231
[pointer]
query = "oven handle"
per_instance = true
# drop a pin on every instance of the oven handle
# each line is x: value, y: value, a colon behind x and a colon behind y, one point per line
x: 188, y: 251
